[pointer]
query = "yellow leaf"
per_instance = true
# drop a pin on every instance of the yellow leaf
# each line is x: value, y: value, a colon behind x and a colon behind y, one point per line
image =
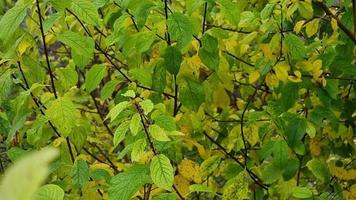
x: 190, y: 170
x: 298, y: 26
x: 182, y: 185
x: 57, y: 142
x: 334, y: 24
x: 249, y: 38
x: 314, y: 147
x: 272, y: 80
x: 23, y: 46
x: 296, y: 78
x: 267, y: 51
x: 220, y: 98
x: 312, y: 27
x: 281, y: 70
x: 254, y: 76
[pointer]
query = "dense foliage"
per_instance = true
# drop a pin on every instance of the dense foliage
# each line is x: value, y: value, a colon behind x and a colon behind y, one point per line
x: 177, y: 99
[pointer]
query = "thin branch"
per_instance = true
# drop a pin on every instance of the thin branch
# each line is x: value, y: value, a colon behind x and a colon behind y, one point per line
x: 253, y: 176
x: 204, y: 18
x: 45, y: 49
x: 239, y: 59
x: 168, y: 38
x: 242, y: 125
x: 324, y: 7
x: 108, y: 57
x: 227, y: 29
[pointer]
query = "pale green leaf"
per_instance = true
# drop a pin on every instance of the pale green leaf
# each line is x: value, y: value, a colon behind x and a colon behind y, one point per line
x: 158, y: 133
x: 49, y: 192
x: 147, y: 106
x: 180, y: 29
x: 63, y: 113
x: 12, y: 20
x: 120, y: 132
x: 22, y: 180
x: 94, y: 77
x: 86, y: 11
x: 135, y: 124
x: 80, y: 173
x: 138, y: 150
x: 114, y: 112
x: 124, y: 185
x: 302, y: 193
x: 162, y: 172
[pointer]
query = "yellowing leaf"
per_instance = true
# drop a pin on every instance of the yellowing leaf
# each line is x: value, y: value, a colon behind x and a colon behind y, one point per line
x: 334, y: 24
x: 254, y: 76
x: 281, y: 70
x: 296, y: 78
x: 190, y: 170
x: 158, y: 133
x: 312, y: 27
x: 314, y: 147
x: 182, y: 185
x: 58, y: 141
x: 272, y: 80
x: 298, y: 26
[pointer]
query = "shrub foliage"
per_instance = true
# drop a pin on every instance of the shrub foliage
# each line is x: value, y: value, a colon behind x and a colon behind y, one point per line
x: 177, y: 99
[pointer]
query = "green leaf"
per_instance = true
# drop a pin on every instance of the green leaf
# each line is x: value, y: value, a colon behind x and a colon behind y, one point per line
x: 147, y: 106
x: 172, y: 59
x: 114, y: 112
x: 67, y: 78
x: 302, y: 193
x: 209, y: 53
x: 180, y: 29
x: 12, y: 20
x: 49, y: 192
x: 295, y: 46
x: 192, y: 94
x: 82, y: 47
x: 289, y: 95
x: 61, y: 5
x: 86, y: 11
x: 158, y: 133
x: 200, y: 188
x: 165, y: 196
x: 280, y: 154
x: 124, y: 185
x: 267, y: 11
x: 138, y: 150
x: 290, y: 169
x: 237, y: 188
x: 108, y: 89
x: 166, y: 122
x: 49, y: 22
x: 295, y: 131
x: 80, y: 173
x: 63, y: 113
x: 162, y: 172
x: 135, y: 124
x: 120, y: 132
x: 141, y: 13
x: 94, y: 77
x: 230, y: 10
x: 159, y: 78
x: 14, y: 185
x: 305, y: 9
x: 129, y: 93
x: 209, y: 165
x: 319, y: 169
